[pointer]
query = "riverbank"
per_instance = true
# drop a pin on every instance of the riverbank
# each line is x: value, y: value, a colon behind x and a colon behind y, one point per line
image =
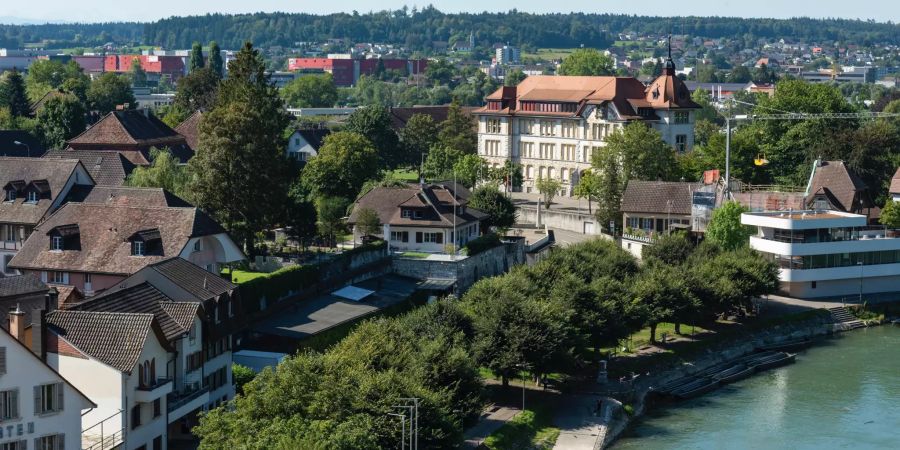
x: 616, y: 418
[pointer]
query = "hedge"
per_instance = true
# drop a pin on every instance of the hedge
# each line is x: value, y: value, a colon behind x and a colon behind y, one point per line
x: 278, y: 284
x: 486, y: 242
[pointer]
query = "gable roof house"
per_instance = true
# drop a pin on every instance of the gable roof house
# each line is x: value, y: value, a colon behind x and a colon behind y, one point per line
x: 31, y: 189
x: 894, y: 189
x: 134, y: 133
x: 834, y: 186
x: 107, y: 168
x: 190, y: 129
x: 305, y: 143
x: 421, y: 217
x: 94, y: 246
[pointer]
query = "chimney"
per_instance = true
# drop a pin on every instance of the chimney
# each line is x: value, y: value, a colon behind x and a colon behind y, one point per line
x: 38, y: 332
x: 51, y: 300
x: 17, y: 324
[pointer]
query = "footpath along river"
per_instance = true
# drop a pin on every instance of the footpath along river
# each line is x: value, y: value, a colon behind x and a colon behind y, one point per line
x: 843, y: 393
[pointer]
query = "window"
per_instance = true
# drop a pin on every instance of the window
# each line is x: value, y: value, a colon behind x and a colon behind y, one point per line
x: 418, y: 214
x: 526, y: 149
x: 492, y: 148
x: 526, y: 126
x: 433, y: 238
x: 400, y: 236
x: 192, y: 333
x: 547, y: 128
x: 48, y: 398
x: 157, y: 443
x: 405, y: 213
x: 813, y: 284
x: 682, y: 117
x: 569, y: 130
x: 568, y: 152
x: 15, y: 445
x: 88, y: 278
x: 492, y: 126
x: 59, y: 277
x: 9, y: 405
x: 137, y: 248
x: 681, y: 143
x: 135, y: 416
x: 10, y: 195
x: 157, y: 408
x: 230, y: 306
x: 52, y: 442
x: 545, y: 151
x: 32, y: 197
x: 197, y: 246
x: 56, y: 243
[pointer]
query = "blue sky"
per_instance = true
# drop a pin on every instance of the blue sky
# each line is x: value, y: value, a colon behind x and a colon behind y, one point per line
x: 114, y: 10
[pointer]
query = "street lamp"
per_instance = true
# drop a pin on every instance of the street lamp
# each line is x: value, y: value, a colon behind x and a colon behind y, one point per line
x: 402, y: 429
x: 27, y: 147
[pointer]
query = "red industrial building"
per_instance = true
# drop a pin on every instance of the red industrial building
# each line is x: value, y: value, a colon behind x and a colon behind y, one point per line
x: 171, y: 66
x: 346, y: 72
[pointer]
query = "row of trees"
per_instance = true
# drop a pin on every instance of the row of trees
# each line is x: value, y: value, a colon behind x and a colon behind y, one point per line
x: 536, y: 318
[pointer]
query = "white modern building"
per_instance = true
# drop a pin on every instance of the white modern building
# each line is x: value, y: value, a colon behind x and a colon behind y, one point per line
x: 552, y: 125
x: 827, y: 253
x: 39, y: 409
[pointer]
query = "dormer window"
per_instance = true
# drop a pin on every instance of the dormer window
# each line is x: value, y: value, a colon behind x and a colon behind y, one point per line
x: 417, y: 214
x: 10, y: 195
x: 32, y: 197
x: 37, y: 190
x: 146, y: 242
x: 65, y: 237
x: 12, y: 189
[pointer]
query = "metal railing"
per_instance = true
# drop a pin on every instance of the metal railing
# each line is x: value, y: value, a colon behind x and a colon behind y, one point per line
x: 105, y: 441
x: 175, y: 401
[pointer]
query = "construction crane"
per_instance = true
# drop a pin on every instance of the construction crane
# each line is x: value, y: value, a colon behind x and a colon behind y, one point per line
x: 782, y: 115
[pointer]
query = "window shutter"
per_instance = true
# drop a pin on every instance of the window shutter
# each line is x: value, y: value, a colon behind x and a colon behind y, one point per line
x: 13, y: 399
x: 37, y: 400
x: 60, y: 394
x: 3, y: 407
x: 2, y: 360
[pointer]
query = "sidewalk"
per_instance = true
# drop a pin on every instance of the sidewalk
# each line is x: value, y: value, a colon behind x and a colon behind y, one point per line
x: 579, y: 426
x: 488, y: 424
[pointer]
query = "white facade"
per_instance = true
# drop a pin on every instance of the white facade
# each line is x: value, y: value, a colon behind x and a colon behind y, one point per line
x: 827, y: 253
x: 23, y: 377
x: 299, y: 149
x: 425, y: 239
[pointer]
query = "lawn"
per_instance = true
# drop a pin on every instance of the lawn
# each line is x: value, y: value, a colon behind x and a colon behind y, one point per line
x: 407, y: 175
x: 242, y: 276
x: 533, y: 429
x: 417, y: 255
x: 549, y: 54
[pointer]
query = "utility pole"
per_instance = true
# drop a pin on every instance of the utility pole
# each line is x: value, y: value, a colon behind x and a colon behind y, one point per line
x: 402, y: 429
x: 415, y: 401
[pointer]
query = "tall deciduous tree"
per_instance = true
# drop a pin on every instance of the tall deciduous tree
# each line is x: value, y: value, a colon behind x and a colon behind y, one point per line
x: 215, y: 59
x: 458, y: 131
x: 367, y: 222
x: 239, y: 169
x: 588, y: 188
x: 470, y: 169
x: 610, y: 187
x: 164, y: 172
x: 137, y: 73
x: 345, y: 161
x: 109, y: 91
x: 440, y: 162
x: 197, y: 91
x: 549, y: 188
x: 196, y: 57
x: 501, y: 211
x: 13, y: 95
x: 374, y: 123
x: 418, y: 136
x: 587, y: 61
x: 311, y: 91
x: 644, y: 154
x: 725, y: 227
x: 60, y: 119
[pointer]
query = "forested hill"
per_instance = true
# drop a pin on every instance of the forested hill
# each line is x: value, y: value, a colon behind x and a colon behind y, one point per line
x: 417, y: 29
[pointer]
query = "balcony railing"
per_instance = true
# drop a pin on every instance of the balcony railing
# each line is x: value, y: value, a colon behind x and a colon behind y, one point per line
x: 176, y: 400
x: 107, y: 434
x: 149, y: 393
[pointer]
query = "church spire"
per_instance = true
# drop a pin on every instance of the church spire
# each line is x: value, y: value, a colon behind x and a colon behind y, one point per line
x: 670, y: 65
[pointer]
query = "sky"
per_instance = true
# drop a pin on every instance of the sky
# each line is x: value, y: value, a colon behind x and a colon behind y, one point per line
x: 116, y: 10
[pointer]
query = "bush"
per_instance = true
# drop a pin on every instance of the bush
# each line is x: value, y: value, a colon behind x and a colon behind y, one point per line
x: 486, y: 242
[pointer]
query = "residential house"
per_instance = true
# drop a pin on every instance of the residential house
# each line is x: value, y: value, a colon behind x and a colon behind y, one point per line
x: 23, y: 292
x: 833, y: 186
x: 552, y: 125
x: 31, y: 189
x: 94, y: 246
x: 400, y: 115
x: 121, y: 361
x: 190, y: 129
x: 421, y: 218
x: 107, y: 168
x: 39, y: 408
x: 894, y: 189
x: 20, y: 143
x: 657, y: 206
x: 133, y: 133
x: 305, y: 143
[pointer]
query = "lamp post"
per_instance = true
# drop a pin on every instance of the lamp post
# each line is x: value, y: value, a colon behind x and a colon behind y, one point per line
x: 860, y: 264
x: 402, y: 429
x: 27, y: 147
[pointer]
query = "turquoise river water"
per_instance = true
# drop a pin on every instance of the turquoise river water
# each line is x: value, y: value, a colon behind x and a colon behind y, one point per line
x: 844, y: 393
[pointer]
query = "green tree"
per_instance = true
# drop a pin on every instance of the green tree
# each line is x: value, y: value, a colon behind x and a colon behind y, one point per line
x: 440, y: 162
x: 644, y: 155
x: 664, y: 293
x: 196, y: 62
x: 197, y: 91
x: 610, y: 187
x: 330, y: 213
x: 60, y: 119
x: 549, y: 188
x: 672, y: 249
x: 345, y: 161
x: 458, y: 131
x: 419, y: 135
x: 367, y: 222
x: 587, y: 61
x: 514, y: 77
x: 588, y: 187
x: 890, y: 214
x: 707, y: 111
x: 164, y: 172
x: 725, y: 227
x: 239, y: 170
x: 216, y: 65
x: 500, y: 209
x: 740, y: 74
x: 311, y: 91
x: 375, y: 124
x: 12, y: 94
x: 108, y: 91
x: 45, y: 75
x: 300, y: 216
x: 439, y: 72
x: 137, y: 74
x: 242, y: 375
x: 470, y: 169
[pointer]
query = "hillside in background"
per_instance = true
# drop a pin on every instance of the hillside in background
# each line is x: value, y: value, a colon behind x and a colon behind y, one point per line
x: 419, y: 29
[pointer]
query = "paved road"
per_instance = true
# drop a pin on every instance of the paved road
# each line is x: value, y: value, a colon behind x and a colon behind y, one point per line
x: 494, y: 420
x: 579, y: 427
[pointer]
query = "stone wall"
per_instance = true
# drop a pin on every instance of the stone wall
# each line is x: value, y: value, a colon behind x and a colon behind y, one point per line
x: 468, y: 270
x: 560, y: 219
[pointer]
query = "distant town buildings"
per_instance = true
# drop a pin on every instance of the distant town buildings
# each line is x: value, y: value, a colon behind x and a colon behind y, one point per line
x: 346, y: 71
x: 507, y: 55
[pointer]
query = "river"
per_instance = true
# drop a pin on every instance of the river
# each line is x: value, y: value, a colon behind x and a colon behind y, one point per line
x: 844, y: 393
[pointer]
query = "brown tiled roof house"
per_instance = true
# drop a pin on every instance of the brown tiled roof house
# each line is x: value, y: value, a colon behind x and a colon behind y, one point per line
x: 135, y: 133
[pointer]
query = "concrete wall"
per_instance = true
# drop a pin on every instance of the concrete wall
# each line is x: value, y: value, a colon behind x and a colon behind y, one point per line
x: 848, y: 287
x: 560, y: 220
x: 467, y: 271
